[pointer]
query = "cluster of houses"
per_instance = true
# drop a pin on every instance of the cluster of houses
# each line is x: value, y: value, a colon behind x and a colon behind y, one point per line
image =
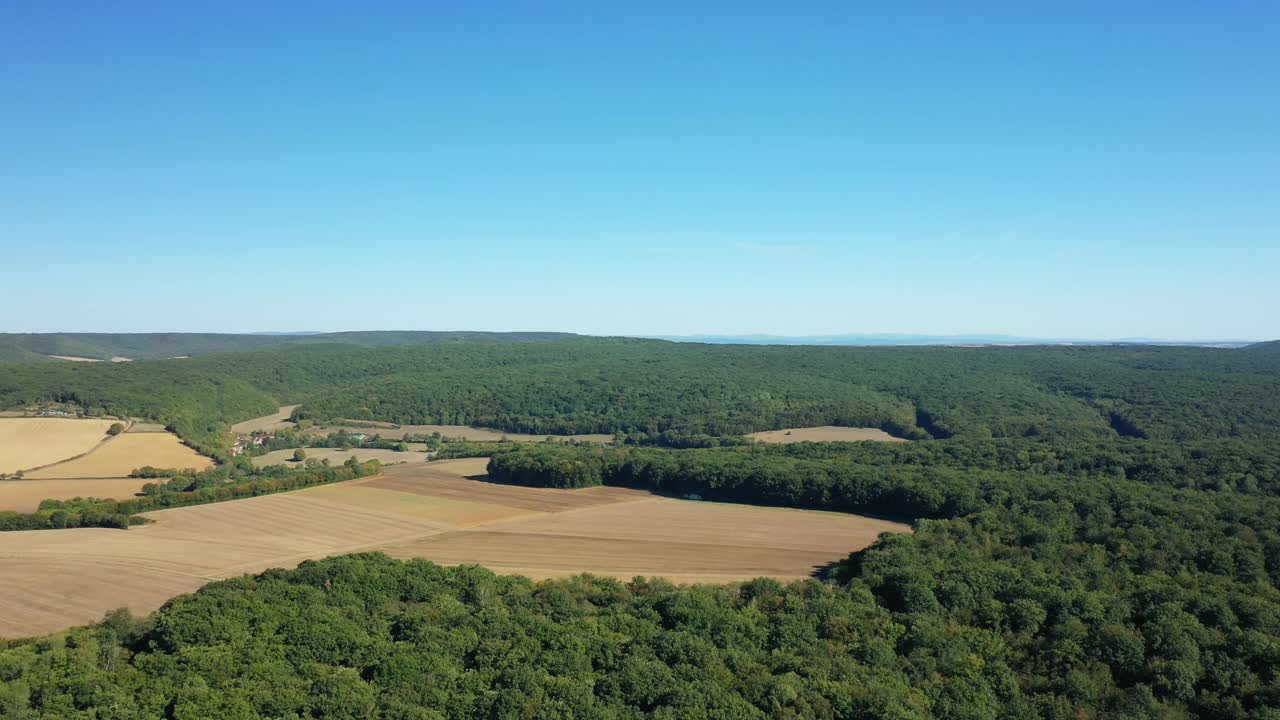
x: 260, y: 439
x: 252, y: 441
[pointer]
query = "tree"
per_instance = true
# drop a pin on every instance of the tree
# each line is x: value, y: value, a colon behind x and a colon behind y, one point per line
x: 299, y: 455
x: 115, y: 429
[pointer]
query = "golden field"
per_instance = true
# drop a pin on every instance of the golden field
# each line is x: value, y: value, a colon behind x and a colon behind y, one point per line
x: 443, y: 511
x: 25, y: 495
x: 31, y: 442
x: 462, y: 432
x: 337, y: 457
x: 122, y: 454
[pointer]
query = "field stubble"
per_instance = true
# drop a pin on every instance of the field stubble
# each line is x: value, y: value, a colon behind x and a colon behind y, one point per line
x: 31, y: 442
x: 438, y: 511
x: 124, y: 453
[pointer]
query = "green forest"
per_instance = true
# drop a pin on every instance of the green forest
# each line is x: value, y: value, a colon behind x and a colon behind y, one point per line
x: 1097, y: 535
x: 688, y: 395
x: 26, y: 347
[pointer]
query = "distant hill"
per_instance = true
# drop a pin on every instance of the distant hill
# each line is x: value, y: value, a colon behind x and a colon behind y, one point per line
x: 1270, y: 346
x: 16, y: 347
x: 902, y: 339
x: 13, y: 353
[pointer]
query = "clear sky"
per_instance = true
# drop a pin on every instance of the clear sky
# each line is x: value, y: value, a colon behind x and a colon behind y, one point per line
x: 1095, y: 169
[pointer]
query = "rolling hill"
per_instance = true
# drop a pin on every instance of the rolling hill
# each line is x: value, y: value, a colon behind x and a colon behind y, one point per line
x: 20, y: 347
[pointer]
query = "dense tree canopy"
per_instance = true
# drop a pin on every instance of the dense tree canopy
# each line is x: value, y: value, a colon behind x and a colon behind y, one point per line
x: 151, y: 346
x: 682, y: 394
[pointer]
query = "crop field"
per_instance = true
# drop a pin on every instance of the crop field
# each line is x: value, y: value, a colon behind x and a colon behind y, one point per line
x: 25, y: 495
x: 443, y: 511
x: 27, y: 443
x: 125, y: 453
x: 336, y: 456
x: 278, y: 420
x: 454, y: 431
x: 825, y: 433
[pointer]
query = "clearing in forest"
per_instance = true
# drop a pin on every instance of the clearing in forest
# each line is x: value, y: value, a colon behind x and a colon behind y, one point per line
x: 74, y: 358
x: 824, y: 433
x: 278, y: 420
x: 124, y: 453
x: 27, y: 443
x: 461, y: 432
x: 443, y: 511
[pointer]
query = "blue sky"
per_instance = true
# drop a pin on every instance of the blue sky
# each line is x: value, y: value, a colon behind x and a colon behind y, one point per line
x: 1089, y: 170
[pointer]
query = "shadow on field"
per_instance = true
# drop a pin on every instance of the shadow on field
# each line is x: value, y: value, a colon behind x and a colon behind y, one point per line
x: 889, y: 517
x: 823, y: 572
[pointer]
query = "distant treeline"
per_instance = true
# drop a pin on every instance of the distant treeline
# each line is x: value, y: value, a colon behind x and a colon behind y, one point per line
x: 1219, y: 465
x: 649, y: 389
x: 1216, y: 465
x: 688, y: 395
x: 214, y: 485
x: 154, y: 346
x: 884, y: 477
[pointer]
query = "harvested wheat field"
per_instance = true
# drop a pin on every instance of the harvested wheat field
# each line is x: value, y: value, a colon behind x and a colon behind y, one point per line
x: 277, y: 420
x: 27, y: 443
x: 462, y: 432
x: 824, y: 433
x: 25, y: 495
x: 336, y: 456
x: 439, y: 511
x: 122, y: 454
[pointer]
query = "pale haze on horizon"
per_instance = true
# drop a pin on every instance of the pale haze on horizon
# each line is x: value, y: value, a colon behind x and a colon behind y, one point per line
x: 1087, y: 171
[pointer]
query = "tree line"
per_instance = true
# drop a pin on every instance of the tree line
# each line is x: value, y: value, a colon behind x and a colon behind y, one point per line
x: 182, y: 489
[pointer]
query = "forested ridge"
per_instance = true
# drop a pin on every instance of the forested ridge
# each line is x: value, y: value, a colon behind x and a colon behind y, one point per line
x: 104, y: 346
x: 1097, y: 535
x: 682, y: 394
